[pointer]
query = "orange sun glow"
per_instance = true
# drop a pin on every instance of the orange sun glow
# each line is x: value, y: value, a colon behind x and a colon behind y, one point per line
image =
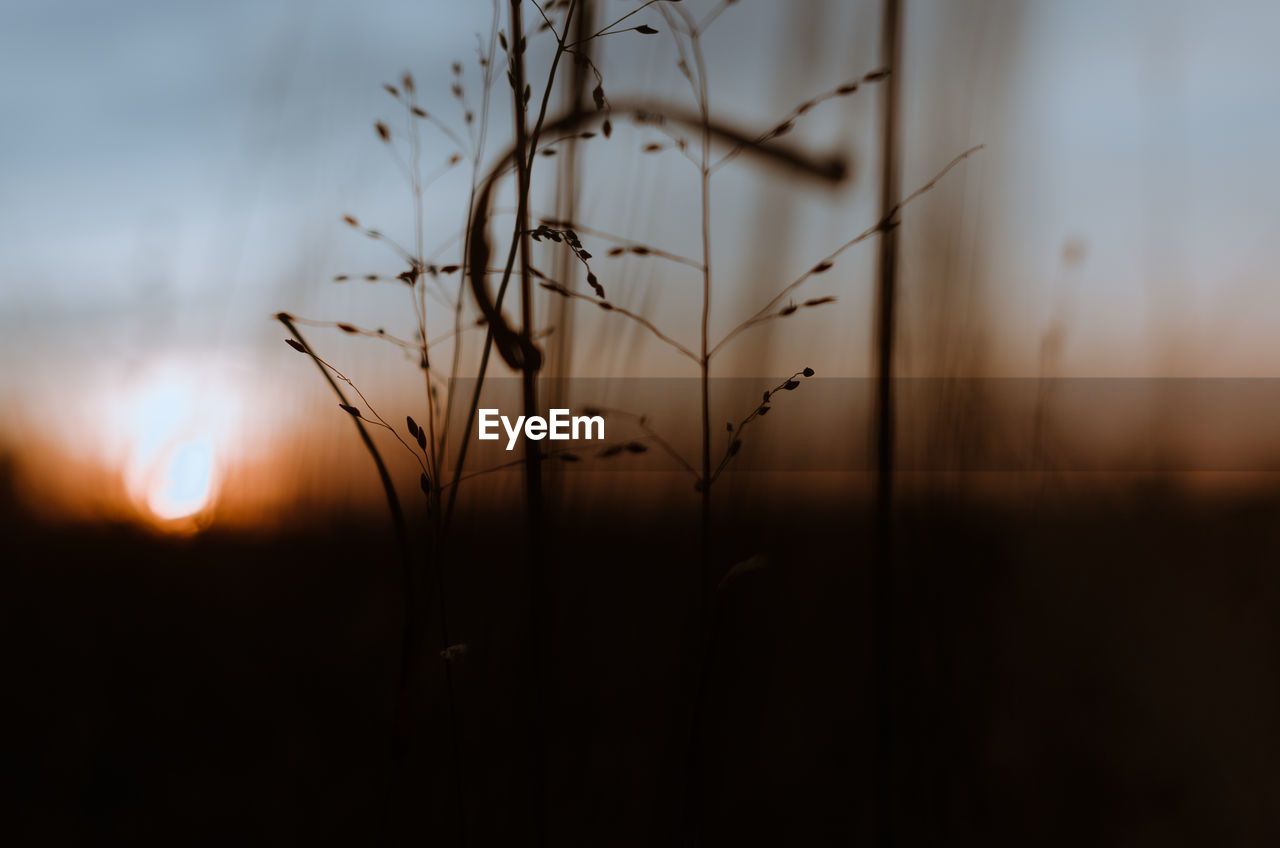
x: 172, y: 430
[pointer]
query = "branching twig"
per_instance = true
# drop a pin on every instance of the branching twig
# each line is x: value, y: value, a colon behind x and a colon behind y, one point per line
x: 762, y: 408
x: 884, y: 223
x: 606, y: 305
x: 785, y: 125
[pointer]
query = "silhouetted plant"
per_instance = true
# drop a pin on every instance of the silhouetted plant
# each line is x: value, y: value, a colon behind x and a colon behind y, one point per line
x: 424, y: 279
x: 426, y: 276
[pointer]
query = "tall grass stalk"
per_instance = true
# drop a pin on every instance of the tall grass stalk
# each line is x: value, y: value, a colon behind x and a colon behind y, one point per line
x: 884, y: 753
x: 517, y: 346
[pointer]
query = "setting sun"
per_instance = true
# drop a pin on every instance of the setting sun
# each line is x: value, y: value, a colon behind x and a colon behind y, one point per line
x: 173, y: 436
x: 186, y: 483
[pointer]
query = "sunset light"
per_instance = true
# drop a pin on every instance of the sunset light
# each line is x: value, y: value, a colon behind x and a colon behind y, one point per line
x: 186, y: 482
x: 641, y: 422
x: 169, y: 434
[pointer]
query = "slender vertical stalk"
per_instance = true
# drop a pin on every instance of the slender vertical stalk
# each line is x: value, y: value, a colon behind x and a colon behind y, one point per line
x: 415, y: 174
x: 705, y: 363
x: 408, y: 648
x: 431, y: 549
x: 481, y: 137
x: 540, y: 597
x: 704, y: 359
x: 704, y: 628
x: 532, y: 464
x: 698, y: 82
x: 884, y: 752
x: 577, y: 95
x: 529, y: 370
x: 528, y: 155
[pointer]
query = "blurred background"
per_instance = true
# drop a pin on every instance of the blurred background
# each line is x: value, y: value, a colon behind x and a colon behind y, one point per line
x: 1094, y: 643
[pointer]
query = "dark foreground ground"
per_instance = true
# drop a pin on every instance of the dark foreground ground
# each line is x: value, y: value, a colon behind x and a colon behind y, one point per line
x: 1104, y: 672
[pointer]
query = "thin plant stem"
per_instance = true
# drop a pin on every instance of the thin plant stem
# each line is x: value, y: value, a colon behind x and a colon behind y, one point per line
x: 884, y: 747
x: 408, y: 646
x: 886, y: 222
x: 705, y: 363
x: 473, y: 249
x: 639, y: 319
x: 482, y: 135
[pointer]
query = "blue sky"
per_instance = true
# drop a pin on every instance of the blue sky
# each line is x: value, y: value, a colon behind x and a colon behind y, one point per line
x: 176, y: 172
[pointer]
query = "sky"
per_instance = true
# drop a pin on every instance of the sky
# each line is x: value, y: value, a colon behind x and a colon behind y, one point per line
x: 177, y: 173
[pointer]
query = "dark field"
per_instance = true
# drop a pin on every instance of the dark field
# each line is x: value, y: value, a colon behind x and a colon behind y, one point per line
x: 1097, y: 673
